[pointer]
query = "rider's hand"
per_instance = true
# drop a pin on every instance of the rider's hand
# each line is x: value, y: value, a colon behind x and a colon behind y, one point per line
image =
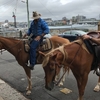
x: 24, y: 35
x: 37, y: 38
x: 86, y: 37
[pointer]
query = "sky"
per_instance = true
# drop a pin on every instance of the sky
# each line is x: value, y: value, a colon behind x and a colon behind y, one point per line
x: 55, y: 9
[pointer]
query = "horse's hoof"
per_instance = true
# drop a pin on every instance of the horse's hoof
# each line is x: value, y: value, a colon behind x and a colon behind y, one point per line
x: 97, y: 88
x: 28, y: 92
x: 60, y: 84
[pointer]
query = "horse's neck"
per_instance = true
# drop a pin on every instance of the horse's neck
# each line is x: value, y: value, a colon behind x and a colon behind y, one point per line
x: 10, y: 45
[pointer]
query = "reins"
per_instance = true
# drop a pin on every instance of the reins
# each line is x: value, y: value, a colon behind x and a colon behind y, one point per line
x: 70, y: 63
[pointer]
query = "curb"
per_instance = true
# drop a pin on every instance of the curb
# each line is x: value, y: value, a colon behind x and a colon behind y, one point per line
x: 1, y: 98
x: 9, y: 93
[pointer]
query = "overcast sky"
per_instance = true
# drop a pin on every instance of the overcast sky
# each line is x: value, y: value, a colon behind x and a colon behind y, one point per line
x: 55, y: 9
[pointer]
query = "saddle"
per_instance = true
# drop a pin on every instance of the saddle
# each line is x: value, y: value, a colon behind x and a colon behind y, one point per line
x: 44, y: 46
x: 94, y: 49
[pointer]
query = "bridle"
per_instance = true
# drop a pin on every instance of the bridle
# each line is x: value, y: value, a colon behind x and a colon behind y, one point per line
x: 56, y: 83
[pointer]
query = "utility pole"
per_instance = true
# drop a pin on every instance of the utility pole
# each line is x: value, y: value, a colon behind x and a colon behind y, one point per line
x: 14, y: 19
x: 27, y: 13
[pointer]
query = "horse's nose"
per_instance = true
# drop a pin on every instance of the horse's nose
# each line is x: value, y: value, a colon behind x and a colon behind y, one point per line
x: 50, y: 86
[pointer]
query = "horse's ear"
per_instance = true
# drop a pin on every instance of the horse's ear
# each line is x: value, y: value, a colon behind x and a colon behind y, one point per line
x: 43, y: 54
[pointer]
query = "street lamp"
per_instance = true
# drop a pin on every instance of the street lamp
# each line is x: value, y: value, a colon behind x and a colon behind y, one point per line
x: 27, y: 11
x: 14, y: 19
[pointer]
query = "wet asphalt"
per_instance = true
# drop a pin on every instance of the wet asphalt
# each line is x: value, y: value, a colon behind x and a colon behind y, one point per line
x: 13, y: 74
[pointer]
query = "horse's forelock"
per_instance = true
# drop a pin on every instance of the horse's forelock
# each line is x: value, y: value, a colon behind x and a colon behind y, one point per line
x: 47, y: 57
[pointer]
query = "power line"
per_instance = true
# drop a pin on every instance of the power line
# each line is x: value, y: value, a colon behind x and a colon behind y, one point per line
x: 46, y: 8
x: 6, y: 3
x: 16, y: 6
x: 7, y: 7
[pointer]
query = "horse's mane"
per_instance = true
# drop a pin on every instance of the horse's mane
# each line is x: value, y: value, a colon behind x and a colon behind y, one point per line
x: 11, y: 38
x: 47, y: 57
x: 8, y: 42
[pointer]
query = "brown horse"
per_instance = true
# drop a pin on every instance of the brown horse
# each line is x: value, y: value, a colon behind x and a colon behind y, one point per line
x: 16, y: 48
x: 74, y: 56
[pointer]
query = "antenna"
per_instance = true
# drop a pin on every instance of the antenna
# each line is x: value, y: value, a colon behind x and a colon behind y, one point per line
x: 99, y: 17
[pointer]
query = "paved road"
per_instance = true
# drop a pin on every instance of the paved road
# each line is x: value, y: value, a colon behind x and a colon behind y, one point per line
x: 14, y: 75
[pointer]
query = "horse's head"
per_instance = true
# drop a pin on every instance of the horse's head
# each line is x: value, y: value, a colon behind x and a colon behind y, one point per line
x: 51, y: 65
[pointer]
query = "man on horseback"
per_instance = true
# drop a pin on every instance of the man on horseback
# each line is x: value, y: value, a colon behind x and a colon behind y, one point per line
x: 38, y: 28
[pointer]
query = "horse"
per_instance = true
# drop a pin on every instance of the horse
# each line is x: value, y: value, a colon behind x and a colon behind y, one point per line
x: 58, y: 41
x: 17, y: 48
x: 74, y: 56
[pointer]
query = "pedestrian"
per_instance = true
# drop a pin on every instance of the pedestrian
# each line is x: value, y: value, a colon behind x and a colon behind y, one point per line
x: 38, y: 28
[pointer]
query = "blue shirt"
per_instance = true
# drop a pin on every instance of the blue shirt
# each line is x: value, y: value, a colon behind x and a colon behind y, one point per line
x: 38, y: 28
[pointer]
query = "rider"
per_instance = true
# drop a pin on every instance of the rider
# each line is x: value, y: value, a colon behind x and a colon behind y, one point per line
x: 38, y: 28
x: 97, y: 41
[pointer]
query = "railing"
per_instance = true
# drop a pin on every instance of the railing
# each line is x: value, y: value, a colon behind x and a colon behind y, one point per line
x: 12, y: 34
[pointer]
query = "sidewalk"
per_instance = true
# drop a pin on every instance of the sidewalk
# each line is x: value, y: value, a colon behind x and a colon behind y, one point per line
x: 8, y: 93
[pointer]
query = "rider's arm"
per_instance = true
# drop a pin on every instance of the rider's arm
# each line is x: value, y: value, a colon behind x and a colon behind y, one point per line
x: 97, y: 41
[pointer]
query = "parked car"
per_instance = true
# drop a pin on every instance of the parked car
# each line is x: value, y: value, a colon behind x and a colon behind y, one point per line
x: 72, y: 34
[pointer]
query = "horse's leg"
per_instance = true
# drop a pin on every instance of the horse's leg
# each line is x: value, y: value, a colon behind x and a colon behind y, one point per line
x: 29, y: 87
x: 63, y: 78
x: 64, y: 70
x: 57, y: 76
x: 97, y: 87
x: 81, y: 83
x: 61, y: 82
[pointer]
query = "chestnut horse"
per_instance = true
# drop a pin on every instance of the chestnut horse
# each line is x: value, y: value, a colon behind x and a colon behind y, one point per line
x: 74, y: 56
x: 16, y: 48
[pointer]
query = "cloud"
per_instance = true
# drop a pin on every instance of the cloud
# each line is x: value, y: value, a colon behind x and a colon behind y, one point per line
x: 55, y: 9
